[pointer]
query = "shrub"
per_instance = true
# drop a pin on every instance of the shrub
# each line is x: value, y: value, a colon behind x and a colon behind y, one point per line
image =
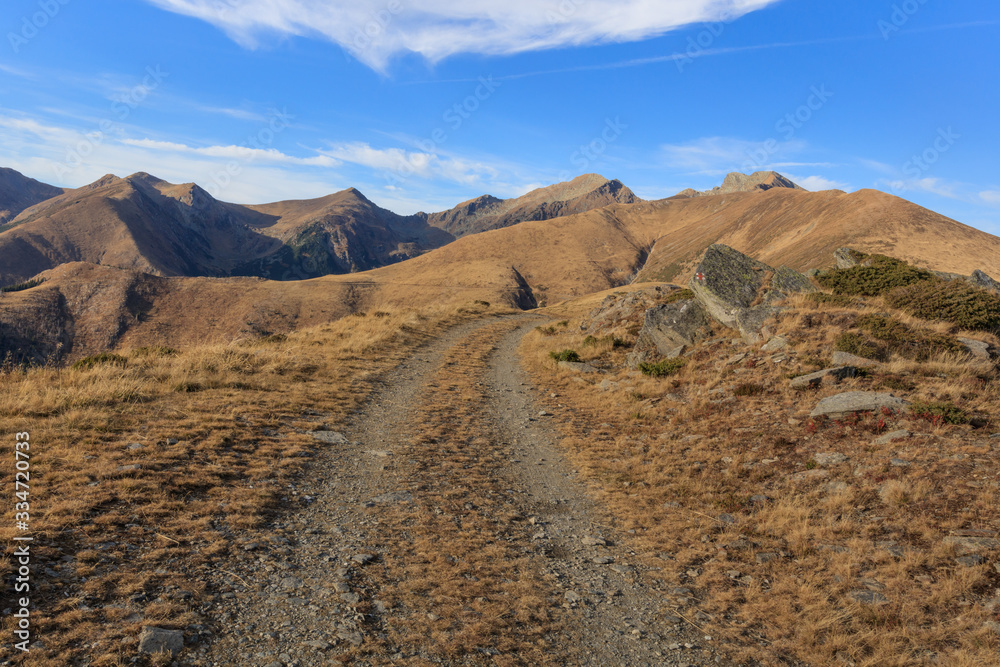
x: 957, y: 302
x: 855, y: 343
x: 679, y: 295
x: 19, y: 287
x: 565, y: 355
x: 748, y: 389
x: 906, y: 341
x: 484, y: 304
x: 938, y: 413
x: 663, y: 368
x: 878, y: 275
x: 103, y: 359
x: 591, y: 341
x: 155, y: 351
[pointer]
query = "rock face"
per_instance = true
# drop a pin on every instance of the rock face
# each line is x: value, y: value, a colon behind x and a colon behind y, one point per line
x: 856, y: 401
x: 738, y: 291
x: 977, y: 348
x: 980, y: 279
x: 759, y: 181
x: 159, y: 640
x: 847, y: 258
x: 848, y: 359
x: 674, y: 325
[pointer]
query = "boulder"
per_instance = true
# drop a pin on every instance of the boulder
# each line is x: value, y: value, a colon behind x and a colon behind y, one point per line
x: 848, y: 359
x: 977, y: 348
x: 847, y: 258
x: 738, y: 291
x: 980, y: 279
x: 833, y: 375
x: 893, y: 436
x: 856, y: 401
x: 160, y: 640
x: 674, y: 325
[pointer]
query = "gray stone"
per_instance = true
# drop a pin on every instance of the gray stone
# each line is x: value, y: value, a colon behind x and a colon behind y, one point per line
x: 977, y: 348
x: 899, y: 463
x: 329, y: 437
x: 775, y: 344
x: 971, y: 560
x: 593, y: 542
x: 161, y: 640
x: 847, y: 258
x: 135, y: 446
x: 893, y: 436
x: 393, y: 498
x: 856, y: 401
x: 980, y: 279
x: 603, y: 560
x: 738, y: 291
x: 669, y: 328
x: 767, y: 558
x: 833, y: 375
x: 829, y: 458
x: 363, y: 559
x: 865, y: 596
x: 736, y: 358
x: 848, y: 359
x: 578, y: 367
x: 973, y: 541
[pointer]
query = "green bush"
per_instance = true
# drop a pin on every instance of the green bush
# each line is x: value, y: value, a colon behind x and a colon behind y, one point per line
x: 103, y: 359
x: 565, y: 355
x: 679, y: 295
x: 591, y: 341
x: 907, y: 341
x: 855, y: 343
x: 878, y: 275
x: 937, y: 413
x: 155, y: 351
x: 663, y: 368
x: 957, y: 302
x: 28, y: 284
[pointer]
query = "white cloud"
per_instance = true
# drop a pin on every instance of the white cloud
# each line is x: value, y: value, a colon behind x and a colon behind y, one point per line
x: 819, y: 183
x: 374, y: 31
x: 398, y: 165
x: 934, y: 186
x: 990, y: 196
x: 245, y: 153
x: 720, y: 155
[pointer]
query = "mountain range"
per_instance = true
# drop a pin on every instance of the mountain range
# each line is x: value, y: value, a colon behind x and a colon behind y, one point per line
x: 133, y: 260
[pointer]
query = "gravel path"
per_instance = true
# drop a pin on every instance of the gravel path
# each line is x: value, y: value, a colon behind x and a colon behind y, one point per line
x: 314, y: 591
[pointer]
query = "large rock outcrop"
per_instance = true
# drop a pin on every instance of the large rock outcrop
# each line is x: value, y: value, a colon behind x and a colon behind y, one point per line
x: 668, y: 329
x: 739, y: 291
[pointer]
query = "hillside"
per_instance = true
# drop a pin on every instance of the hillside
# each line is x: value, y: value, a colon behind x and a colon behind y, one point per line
x: 584, y: 193
x: 18, y: 192
x: 737, y: 182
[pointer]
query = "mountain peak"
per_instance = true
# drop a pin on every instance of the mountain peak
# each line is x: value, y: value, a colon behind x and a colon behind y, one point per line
x: 758, y: 181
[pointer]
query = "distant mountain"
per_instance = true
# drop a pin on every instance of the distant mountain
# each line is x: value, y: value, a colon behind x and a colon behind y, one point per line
x: 144, y: 223
x: 737, y: 182
x: 18, y: 192
x: 583, y: 193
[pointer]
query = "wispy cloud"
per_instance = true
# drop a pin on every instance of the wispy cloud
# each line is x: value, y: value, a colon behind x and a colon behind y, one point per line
x: 818, y: 183
x: 990, y: 197
x: 246, y: 153
x: 374, y: 31
x: 719, y: 155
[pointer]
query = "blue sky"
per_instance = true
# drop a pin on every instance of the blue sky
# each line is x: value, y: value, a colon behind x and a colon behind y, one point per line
x: 421, y: 105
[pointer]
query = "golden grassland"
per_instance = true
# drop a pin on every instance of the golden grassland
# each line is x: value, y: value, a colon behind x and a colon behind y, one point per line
x: 687, y: 460
x: 114, y: 522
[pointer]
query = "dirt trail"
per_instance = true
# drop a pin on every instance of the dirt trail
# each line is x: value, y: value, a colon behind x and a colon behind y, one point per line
x: 393, y: 558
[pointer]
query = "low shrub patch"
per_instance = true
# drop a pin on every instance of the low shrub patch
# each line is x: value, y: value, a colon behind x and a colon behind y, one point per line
x: 748, y: 389
x: 103, y: 359
x: 875, y: 277
x: 20, y: 287
x: 958, y: 302
x: 939, y: 413
x: 565, y: 355
x: 663, y: 368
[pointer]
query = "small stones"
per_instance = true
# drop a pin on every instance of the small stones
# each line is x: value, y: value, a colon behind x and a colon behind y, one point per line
x: 132, y: 467
x: 775, y: 344
x: 603, y: 560
x: 593, y: 542
x: 869, y: 597
x: 135, y: 446
x: 829, y: 458
x: 971, y: 560
x: 766, y: 557
x: 727, y: 519
x: 352, y: 637
x: 735, y: 359
x: 161, y: 640
x: 572, y: 597
x: 329, y: 437
x: 899, y: 463
x: 829, y: 375
x: 362, y: 559
x: 350, y: 598
x: 902, y: 434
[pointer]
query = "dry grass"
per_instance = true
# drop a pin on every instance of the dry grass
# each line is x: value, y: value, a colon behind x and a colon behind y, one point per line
x: 725, y: 494
x: 222, y: 430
